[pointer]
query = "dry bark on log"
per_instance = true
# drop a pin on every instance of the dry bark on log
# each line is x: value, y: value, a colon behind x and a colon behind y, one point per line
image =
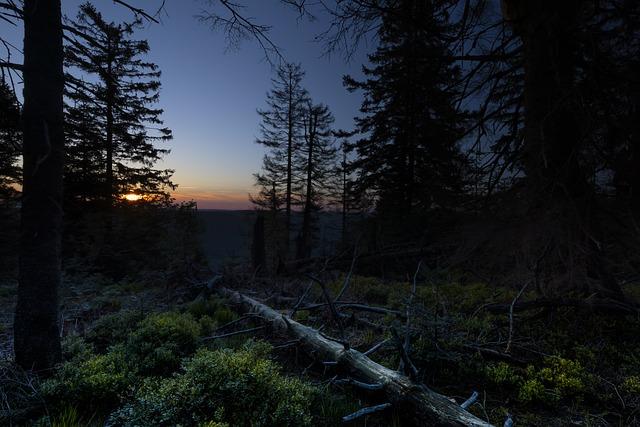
x: 426, y: 406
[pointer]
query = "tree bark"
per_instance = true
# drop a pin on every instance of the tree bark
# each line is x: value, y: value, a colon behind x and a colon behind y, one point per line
x: 289, y: 162
x: 36, y: 331
x: 559, y: 192
x: 109, y: 83
x: 304, y: 245
x: 425, y: 406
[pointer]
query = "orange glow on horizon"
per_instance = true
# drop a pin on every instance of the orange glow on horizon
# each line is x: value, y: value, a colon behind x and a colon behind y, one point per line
x: 226, y: 199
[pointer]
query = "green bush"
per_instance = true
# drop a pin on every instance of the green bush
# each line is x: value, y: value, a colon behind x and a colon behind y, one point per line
x: 240, y: 387
x: 631, y: 385
x: 74, y: 347
x: 113, y: 329
x: 557, y: 379
x: 203, y: 307
x: 503, y: 374
x: 97, y: 381
x: 565, y: 377
x: 160, y: 342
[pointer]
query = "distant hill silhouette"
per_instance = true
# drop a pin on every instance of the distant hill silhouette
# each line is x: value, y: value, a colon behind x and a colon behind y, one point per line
x: 226, y: 234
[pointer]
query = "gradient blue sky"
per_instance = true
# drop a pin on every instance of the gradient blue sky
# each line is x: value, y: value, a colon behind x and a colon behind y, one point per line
x: 210, y: 94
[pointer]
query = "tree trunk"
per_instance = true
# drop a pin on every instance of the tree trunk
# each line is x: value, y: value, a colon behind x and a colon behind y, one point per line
x: 109, y: 144
x: 289, y: 163
x: 416, y: 402
x: 345, y: 206
x: 304, y: 245
x: 559, y: 191
x: 36, y: 333
x: 258, y: 251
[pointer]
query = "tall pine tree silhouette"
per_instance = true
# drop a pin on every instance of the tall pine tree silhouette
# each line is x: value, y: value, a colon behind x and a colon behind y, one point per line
x: 10, y: 144
x: 113, y: 126
x: 281, y: 126
x: 409, y: 155
x: 315, y: 163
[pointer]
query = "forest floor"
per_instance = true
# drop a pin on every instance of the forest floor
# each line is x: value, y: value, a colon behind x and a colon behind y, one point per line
x: 130, y: 349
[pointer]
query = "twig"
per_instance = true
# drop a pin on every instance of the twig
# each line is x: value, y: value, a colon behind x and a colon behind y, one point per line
x: 294, y: 310
x: 365, y: 411
x: 624, y: 406
x: 137, y: 11
x: 332, y: 307
x: 408, y: 365
x: 11, y: 65
x: 376, y: 347
x: 513, y: 303
x: 238, y: 27
x: 407, y: 333
x: 286, y: 344
x: 347, y: 279
x: 470, y: 401
x: 230, y: 334
x: 495, y: 354
x: 233, y: 322
x: 360, y: 384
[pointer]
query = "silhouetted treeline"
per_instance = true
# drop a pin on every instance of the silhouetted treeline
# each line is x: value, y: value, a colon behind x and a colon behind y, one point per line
x: 502, y: 136
x: 10, y: 177
x: 91, y: 132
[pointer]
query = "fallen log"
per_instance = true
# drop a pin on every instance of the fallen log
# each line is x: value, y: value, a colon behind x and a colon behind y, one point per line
x: 425, y: 406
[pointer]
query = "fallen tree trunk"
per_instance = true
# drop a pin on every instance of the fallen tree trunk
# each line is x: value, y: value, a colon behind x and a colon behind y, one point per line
x: 426, y: 406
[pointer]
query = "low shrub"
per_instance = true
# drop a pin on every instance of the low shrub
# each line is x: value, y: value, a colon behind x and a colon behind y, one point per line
x: 160, y: 342
x: 113, y: 329
x: 556, y: 380
x: 241, y: 388
x: 95, y: 381
x: 74, y: 347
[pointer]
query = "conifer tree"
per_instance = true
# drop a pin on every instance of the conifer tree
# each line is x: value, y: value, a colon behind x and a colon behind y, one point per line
x: 281, y: 126
x: 269, y: 239
x: 113, y: 125
x: 315, y: 162
x: 342, y: 196
x: 10, y: 174
x: 271, y: 183
x: 409, y: 155
x: 9, y: 143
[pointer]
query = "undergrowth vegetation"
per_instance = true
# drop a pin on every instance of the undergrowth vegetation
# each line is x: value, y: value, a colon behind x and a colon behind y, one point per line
x: 547, y: 367
x: 132, y: 369
x: 550, y: 366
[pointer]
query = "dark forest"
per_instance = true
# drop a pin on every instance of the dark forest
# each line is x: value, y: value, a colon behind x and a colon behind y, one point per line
x: 466, y: 252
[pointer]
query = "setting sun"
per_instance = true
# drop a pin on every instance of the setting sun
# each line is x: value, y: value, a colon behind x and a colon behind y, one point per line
x: 132, y: 197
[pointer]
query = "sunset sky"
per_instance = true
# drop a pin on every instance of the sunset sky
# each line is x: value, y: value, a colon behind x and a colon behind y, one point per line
x: 210, y: 93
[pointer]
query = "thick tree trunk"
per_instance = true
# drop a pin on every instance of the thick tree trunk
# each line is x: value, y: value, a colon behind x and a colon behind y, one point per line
x: 36, y: 334
x: 420, y: 404
x: 561, y: 197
